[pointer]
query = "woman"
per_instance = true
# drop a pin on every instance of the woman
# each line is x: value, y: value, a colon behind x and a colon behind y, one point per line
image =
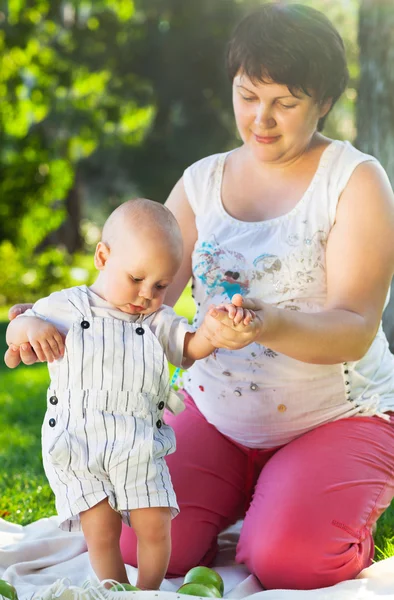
x: 298, y: 417
x: 289, y: 424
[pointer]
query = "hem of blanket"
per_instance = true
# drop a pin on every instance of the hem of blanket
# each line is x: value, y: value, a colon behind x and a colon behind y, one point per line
x: 70, y: 520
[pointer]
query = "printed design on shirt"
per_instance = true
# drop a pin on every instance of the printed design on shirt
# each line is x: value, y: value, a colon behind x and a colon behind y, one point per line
x: 254, y: 360
x: 225, y: 271
x: 220, y: 270
x: 294, y: 271
x: 302, y: 266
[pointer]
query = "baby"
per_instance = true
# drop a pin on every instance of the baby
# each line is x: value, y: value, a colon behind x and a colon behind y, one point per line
x: 104, y: 438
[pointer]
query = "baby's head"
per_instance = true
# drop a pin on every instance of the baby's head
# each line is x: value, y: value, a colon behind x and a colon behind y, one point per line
x: 138, y: 256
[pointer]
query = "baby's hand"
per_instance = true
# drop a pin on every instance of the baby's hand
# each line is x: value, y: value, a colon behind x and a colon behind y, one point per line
x: 231, y: 326
x: 236, y: 314
x: 45, y: 339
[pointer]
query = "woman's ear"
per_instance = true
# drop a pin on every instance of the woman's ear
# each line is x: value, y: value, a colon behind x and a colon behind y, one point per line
x: 325, y: 107
x: 101, y: 255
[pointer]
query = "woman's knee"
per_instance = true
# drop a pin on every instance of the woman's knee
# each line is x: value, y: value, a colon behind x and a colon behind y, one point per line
x: 306, y: 559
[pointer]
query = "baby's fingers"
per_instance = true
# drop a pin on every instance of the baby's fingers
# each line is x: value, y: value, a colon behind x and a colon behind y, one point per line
x: 53, y: 346
x: 48, y: 347
x: 58, y: 345
x: 40, y: 353
x: 239, y: 315
x: 249, y: 316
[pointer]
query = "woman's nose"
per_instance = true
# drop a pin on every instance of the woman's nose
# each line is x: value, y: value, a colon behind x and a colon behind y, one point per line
x: 264, y: 116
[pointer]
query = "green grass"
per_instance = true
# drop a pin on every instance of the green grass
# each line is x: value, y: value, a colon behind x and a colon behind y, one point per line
x: 24, y: 492
x: 25, y: 495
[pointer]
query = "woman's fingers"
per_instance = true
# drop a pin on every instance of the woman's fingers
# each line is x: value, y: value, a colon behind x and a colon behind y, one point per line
x: 17, y: 309
x: 40, y: 353
x: 254, y: 304
x: 12, y: 357
x: 27, y: 354
x: 237, y: 300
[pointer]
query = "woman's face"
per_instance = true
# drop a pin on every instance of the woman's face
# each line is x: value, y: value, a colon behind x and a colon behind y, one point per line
x: 274, y: 124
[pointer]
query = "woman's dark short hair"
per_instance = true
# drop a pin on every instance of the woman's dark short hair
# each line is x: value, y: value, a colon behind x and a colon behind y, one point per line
x: 293, y: 45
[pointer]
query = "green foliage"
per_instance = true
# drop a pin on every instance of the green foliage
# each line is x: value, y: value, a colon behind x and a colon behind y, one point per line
x: 107, y: 99
x: 61, y: 98
x: 26, y: 278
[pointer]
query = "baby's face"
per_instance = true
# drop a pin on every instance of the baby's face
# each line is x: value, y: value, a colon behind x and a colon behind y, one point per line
x: 135, y: 279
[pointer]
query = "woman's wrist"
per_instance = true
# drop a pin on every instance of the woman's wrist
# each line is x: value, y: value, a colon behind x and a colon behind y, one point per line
x: 267, y: 322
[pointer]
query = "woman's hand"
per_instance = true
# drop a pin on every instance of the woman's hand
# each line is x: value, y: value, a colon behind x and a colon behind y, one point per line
x: 15, y: 354
x: 233, y: 326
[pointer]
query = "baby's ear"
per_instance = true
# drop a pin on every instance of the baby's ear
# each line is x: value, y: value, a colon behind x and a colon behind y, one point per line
x: 101, y: 255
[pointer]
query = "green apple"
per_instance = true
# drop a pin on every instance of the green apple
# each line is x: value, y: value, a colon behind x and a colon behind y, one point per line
x: 198, y: 589
x: 123, y: 587
x: 206, y: 577
x: 7, y: 590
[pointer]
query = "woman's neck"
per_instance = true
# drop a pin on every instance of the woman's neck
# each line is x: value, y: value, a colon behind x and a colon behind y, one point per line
x: 287, y: 165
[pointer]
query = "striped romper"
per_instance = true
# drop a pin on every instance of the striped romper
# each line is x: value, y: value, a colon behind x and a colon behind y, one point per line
x: 103, y: 434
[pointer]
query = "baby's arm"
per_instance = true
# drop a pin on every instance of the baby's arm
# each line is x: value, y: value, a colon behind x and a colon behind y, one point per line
x: 197, y: 345
x: 45, y: 339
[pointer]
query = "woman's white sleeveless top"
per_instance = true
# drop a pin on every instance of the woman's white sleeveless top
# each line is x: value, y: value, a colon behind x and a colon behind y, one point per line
x: 256, y: 396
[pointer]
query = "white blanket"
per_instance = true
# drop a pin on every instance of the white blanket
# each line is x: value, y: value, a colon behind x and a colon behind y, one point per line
x: 36, y: 557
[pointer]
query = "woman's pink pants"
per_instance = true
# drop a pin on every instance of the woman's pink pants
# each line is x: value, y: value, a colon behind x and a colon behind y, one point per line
x: 308, y: 507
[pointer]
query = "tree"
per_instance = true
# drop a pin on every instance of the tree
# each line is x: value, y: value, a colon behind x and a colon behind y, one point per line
x: 62, y: 97
x: 375, y: 105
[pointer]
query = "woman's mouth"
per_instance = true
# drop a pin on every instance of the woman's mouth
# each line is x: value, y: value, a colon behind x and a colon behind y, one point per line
x: 265, y: 139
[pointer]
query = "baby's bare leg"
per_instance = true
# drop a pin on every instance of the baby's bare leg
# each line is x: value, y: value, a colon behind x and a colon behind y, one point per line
x: 101, y: 526
x: 153, y: 530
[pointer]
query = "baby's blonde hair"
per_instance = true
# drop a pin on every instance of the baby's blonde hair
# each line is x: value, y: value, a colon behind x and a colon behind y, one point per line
x: 141, y: 215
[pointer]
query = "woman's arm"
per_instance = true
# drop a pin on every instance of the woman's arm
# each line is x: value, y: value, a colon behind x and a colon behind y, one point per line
x: 179, y: 205
x: 360, y: 266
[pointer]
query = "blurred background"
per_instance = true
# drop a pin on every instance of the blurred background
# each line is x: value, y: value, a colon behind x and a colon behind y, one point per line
x: 102, y: 100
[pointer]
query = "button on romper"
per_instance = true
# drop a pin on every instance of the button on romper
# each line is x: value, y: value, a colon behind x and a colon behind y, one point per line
x: 103, y: 434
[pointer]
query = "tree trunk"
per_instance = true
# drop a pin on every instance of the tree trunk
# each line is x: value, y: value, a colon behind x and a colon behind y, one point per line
x: 375, y: 105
